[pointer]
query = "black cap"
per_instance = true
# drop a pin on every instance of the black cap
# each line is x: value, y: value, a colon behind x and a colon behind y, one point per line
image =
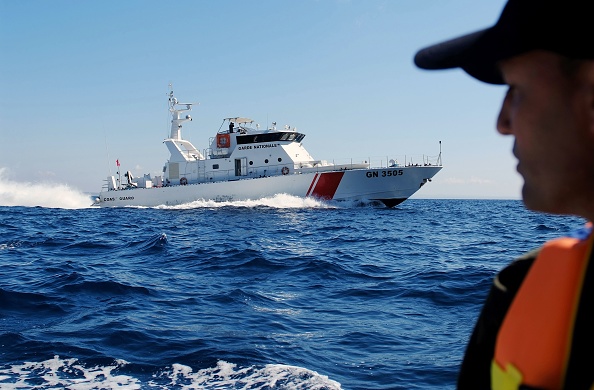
x: 565, y: 27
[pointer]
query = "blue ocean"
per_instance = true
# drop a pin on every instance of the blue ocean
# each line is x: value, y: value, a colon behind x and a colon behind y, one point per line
x: 279, y: 293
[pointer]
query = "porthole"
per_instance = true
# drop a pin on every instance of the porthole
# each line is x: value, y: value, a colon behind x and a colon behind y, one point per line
x: 280, y: 159
x: 266, y: 161
x: 251, y: 163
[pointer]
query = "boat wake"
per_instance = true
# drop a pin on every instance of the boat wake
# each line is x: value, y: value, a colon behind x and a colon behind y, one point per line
x: 279, y: 201
x: 13, y: 193
x: 70, y: 373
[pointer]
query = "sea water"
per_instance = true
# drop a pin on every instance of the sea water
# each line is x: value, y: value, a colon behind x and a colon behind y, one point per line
x: 278, y: 293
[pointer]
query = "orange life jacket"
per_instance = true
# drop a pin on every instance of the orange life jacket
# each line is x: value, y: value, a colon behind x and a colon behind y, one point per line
x: 534, y: 342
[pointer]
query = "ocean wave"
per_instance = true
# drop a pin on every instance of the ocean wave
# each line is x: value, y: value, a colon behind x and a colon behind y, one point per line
x: 32, y: 242
x: 65, y: 373
x: 22, y: 303
x: 72, y: 374
x: 84, y: 247
x: 544, y: 228
x: 105, y: 287
x: 229, y: 258
x: 229, y: 375
x: 332, y: 269
x: 155, y: 242
x: 452, y: 290
x: 11, y: 245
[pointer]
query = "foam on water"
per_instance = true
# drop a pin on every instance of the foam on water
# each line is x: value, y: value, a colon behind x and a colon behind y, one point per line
x: 49, y: 195
x: 65, y: 373
x: 279, y: 201
x: 69, y: 373
x: 228, y: 375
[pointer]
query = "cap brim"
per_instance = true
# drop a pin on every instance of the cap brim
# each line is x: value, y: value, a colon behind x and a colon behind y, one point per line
x: 476, y: 53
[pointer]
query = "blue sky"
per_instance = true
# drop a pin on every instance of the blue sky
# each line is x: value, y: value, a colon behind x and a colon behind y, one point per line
x: 85, y: 83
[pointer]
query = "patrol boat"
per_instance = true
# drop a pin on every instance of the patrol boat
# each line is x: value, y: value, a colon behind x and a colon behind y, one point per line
x: 244, y: 163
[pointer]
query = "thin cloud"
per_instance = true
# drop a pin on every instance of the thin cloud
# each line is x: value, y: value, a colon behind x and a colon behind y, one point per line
x: 471, y: 180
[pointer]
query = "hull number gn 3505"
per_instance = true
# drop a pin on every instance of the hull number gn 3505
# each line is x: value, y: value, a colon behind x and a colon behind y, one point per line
x: 393, y: 172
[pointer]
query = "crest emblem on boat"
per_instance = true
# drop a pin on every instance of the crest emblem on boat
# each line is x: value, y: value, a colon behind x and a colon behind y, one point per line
x: 223, y: 140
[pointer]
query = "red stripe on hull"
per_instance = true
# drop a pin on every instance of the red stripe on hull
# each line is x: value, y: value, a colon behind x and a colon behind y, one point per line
x: 311, y: 185
x: 327, y: 184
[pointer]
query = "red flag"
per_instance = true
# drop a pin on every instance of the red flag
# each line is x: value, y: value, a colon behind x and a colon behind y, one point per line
x: 118, y: 163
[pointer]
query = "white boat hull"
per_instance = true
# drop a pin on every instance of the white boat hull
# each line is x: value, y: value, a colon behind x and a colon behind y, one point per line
x: 388, y: 185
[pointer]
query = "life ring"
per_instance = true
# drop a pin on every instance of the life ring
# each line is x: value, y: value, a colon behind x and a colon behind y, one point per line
x: 285, y: 171
x: 183, y: 181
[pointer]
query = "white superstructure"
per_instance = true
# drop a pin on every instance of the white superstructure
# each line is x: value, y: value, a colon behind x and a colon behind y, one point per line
x: 243, y: 162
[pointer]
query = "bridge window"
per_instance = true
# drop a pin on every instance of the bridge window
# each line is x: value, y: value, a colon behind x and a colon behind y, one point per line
x: 269, y: 137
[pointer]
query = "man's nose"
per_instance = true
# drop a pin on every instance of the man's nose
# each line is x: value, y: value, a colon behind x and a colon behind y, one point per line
x: 504, y: 119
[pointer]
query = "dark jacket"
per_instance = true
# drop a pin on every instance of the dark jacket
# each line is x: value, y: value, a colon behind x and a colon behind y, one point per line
x: 475, y: 372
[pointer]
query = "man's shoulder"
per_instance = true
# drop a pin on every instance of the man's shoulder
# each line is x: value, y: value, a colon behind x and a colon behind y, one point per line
x: 509, y: 279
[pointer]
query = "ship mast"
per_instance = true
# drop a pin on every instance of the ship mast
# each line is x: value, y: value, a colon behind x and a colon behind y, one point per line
x: 176, y: 114
x: 181, y: 150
